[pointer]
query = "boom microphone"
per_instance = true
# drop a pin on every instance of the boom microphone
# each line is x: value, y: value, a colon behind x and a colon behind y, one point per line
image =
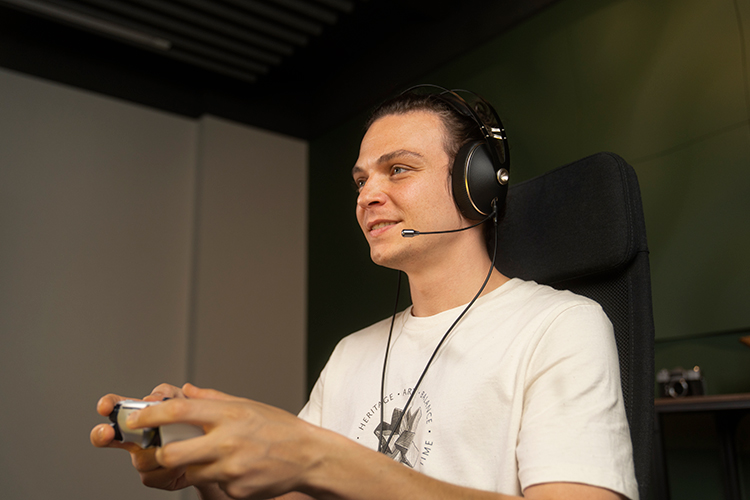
x: 410, y: 233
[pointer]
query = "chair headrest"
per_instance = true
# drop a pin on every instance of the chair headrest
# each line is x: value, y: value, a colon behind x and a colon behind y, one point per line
x: 580, y: 219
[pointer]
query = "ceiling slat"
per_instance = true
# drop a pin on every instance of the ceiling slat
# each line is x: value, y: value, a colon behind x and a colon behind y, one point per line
x: 342, y: 5
x: 213, y: 66
x: 96, y: 23
x: 277, y: 16
x: 200, y: 19
x: 243, y: 56
x: 211, y: 53
x: 191, y: 31
x: 309, y: 9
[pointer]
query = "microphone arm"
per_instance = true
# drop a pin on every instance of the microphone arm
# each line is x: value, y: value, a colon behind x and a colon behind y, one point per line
x: 410, y: 233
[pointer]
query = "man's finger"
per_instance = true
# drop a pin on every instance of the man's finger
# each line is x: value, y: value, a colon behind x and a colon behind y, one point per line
x: 144, y: 461
x: 167, y: 479
x: 103, y: 436
x: 175, y: 411
x: 164, y: 391
x: 197, y: 450
x: 107, y: 403
x: 192, y: 391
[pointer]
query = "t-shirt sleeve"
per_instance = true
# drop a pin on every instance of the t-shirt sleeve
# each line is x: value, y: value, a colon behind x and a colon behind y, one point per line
x: 312, y: 412
x: 574, y: 427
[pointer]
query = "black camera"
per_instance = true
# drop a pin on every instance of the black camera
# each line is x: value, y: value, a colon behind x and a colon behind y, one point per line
x: 679, y: 383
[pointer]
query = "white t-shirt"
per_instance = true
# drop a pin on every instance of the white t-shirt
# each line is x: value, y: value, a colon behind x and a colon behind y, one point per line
x: 526, y: 390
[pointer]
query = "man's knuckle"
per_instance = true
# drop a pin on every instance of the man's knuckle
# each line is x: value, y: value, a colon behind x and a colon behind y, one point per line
x: 141, y: 462
x: 167, y: 458
x: 226, y: 447
x: 234, y: 469
x: 235, y: 490
x: 177, y: 408
x: 166, y: 389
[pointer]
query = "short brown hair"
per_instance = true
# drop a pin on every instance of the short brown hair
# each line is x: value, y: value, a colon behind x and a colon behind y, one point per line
x: 458, y: 128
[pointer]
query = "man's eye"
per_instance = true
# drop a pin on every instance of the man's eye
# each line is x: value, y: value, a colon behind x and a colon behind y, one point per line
x: 359, y: 183
x: 398, y: 170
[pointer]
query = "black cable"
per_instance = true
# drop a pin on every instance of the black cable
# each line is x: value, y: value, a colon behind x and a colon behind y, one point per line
x: 434, y: 353
x: 385, y: 360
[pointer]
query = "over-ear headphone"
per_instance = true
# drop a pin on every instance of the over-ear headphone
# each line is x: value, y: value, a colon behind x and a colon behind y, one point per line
x: 481, y: 168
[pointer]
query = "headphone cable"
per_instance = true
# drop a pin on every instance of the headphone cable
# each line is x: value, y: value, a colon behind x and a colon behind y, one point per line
x: 384, y: 449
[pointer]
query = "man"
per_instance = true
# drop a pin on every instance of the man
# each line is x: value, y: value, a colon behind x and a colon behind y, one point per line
x: 523, y: 398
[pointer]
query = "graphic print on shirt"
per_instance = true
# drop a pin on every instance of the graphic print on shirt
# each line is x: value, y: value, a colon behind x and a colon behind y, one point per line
x: 397, y: 436
x: 407, y: 441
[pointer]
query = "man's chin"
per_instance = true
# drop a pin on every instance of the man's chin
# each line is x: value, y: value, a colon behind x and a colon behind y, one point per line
x: 389, y: 260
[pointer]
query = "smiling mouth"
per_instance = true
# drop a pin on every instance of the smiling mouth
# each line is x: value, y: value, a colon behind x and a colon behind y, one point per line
x: 381, y: 225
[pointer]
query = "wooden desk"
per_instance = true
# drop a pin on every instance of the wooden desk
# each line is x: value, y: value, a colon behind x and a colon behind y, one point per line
x: 727, y: 410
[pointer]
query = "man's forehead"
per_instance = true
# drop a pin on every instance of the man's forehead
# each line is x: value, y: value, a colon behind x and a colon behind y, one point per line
x: 420, y: 122
x: 416, y: 134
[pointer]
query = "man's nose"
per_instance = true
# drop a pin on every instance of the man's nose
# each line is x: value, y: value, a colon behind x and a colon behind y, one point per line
x: 372, y: 193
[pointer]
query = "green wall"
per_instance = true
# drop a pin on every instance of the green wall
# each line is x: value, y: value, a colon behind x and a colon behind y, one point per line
x: 662, y: 83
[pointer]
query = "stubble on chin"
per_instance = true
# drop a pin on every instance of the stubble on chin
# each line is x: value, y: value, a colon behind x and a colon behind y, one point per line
x: 393, y: 258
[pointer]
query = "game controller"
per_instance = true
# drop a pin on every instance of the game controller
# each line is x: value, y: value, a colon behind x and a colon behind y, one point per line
x: 149, y: 436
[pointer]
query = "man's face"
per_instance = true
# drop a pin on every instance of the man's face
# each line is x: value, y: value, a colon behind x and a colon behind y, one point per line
x: 403, y: 178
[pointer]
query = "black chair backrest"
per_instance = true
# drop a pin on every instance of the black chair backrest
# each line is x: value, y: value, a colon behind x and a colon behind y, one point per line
x: 580, y: 227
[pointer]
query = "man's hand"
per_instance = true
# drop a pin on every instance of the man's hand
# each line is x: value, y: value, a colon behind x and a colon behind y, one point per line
x: 152, y: 474
x: 250, y: 449
x: 255, y: 451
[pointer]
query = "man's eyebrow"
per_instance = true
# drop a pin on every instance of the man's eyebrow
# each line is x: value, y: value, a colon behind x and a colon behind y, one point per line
x: 400, y: 153
x: 385, y: 158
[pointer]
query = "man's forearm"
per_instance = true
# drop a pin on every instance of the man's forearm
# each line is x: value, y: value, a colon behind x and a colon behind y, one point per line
x: 349, y: 471
x: 214, y: 492
x: 344, y: 470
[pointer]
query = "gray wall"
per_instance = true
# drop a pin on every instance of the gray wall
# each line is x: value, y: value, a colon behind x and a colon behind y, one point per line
x: 251, y: 275
x: 136, y: 247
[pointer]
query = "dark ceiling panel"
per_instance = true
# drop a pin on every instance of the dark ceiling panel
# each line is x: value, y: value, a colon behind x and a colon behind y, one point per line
x: 298, y: 67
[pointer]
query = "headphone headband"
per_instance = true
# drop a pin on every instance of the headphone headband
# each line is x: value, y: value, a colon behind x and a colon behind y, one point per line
x: 481, y: 169
x: 479, y: 110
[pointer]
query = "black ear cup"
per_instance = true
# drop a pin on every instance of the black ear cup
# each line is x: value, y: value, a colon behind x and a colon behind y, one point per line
x: 476, y: 183
x: 481, y: 168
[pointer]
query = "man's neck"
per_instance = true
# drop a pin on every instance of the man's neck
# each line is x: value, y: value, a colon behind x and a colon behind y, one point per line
x: 444, y: 287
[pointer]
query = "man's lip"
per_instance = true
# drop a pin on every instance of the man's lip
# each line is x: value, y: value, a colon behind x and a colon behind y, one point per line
x: 379, y: 225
